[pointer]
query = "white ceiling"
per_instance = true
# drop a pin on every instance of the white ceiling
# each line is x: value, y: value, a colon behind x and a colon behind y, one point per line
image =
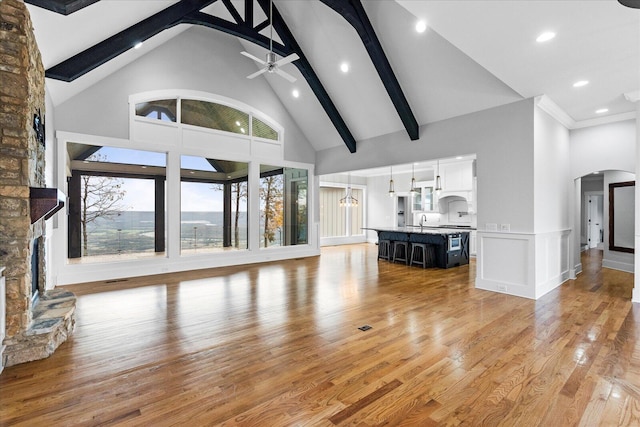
x: 598, y: 41
x: 475, y: 55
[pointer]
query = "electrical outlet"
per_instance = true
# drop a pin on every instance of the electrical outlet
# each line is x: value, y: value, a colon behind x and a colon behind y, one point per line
x: 502, y: 288
x: 491, y: 226
x: 505, y: 227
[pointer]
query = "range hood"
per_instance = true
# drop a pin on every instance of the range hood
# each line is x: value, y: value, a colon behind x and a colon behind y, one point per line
x: 457, y: 203
x: 44, y: 202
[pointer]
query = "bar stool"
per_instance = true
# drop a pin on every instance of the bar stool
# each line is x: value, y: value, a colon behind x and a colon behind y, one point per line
x: 418, y: 254
x: 430, y: 256
x: 401, y: 251
x: 384, y: 249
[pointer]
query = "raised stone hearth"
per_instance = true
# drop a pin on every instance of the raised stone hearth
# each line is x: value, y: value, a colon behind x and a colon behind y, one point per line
x: 53, y: 321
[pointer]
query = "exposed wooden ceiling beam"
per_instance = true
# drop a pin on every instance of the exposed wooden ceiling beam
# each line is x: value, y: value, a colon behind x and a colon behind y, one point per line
x: 305, y: 68
x: 355, y: 14
x: 63, y: 7
x: 188, y: 12
x: 117, y: 44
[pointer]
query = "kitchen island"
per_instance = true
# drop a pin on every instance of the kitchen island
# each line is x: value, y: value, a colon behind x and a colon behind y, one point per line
x: 449, y: 247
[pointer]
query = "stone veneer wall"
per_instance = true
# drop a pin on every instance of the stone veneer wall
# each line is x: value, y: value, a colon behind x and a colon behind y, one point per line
x: 22, y: 165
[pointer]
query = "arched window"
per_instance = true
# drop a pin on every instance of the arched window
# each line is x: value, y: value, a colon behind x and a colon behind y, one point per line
x: 162, y: 109
x: 207, y: 114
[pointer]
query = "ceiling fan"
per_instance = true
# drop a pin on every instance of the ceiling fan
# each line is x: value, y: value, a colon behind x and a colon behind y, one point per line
x: 272, y: 65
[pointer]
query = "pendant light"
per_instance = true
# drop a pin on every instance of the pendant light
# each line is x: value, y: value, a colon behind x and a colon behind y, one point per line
x: 413, y: 188
x: 438, y: 181
x: 392, y: 190
x: 348, y: 200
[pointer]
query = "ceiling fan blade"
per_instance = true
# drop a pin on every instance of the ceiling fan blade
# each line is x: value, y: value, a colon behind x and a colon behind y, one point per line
x: 285, y: 75
x: 256, y: 74
x: 255, y: 58
x: 287, y: 59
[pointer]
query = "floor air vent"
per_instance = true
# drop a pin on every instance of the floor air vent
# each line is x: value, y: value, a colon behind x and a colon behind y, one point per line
x: 364, y: 328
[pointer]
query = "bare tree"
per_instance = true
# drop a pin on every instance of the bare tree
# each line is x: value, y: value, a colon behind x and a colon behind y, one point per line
x: 271, y: 197
x: 101, y: 197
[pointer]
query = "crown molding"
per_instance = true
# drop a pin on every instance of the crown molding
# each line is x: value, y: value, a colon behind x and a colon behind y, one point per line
x: 547, y: 105
x: 604, y: 120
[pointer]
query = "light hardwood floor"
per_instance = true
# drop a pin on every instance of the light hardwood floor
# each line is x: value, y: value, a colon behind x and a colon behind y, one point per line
x: 278, y: 345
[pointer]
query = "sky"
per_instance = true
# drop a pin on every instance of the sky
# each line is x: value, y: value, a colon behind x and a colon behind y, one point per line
x: 140, y: 193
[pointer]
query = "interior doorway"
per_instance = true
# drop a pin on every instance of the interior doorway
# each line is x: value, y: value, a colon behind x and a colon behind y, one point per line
x: 594, y: 208
x: 402, y: 207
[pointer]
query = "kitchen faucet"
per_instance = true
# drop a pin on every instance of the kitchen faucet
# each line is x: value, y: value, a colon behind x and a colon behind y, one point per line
x: 423, y: 219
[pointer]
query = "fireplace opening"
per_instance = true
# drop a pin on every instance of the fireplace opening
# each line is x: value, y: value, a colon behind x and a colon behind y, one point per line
x: 35, y: 270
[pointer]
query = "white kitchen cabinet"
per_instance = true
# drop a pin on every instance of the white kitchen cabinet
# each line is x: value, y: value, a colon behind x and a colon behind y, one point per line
x: 457, y: 176
x: 423, y: 200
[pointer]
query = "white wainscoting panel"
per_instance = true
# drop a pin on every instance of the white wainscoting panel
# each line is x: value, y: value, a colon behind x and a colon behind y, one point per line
x: 552, y: 260
x: 506, y: 263
x: 525, y: 265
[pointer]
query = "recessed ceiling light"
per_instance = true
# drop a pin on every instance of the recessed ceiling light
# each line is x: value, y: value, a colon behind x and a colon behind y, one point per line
x: 137, y: 45
x: 295, y: 93
x: 596, y: 173
x: 459, y: 158
x: 581, y: 83
x: 546, y: 36
x: 602, y: 110
x: 344, y: 67
x: 421, y: 26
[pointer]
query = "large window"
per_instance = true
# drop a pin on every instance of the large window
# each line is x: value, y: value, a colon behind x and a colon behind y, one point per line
x: 116, y: 202
x: 213, y: 205
x: 283, y: 206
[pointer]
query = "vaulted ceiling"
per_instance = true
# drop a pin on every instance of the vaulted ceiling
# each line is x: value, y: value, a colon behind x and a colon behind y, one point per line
x: 474, y: 55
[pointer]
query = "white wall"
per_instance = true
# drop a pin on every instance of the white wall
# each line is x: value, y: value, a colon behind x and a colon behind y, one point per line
x: 552, y: 182
x: 50, y: 181
x: 606, y: 147
x: 381, y: 212
x: 192, y: 60
x: 614, y: 259
x: 494, y: 135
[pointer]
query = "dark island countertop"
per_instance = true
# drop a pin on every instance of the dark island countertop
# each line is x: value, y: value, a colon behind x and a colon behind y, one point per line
x: 440, y: 239
x: 416, y: 229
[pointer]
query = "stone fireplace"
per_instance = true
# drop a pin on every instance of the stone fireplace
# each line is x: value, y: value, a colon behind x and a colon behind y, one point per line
x: 38, y: 319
